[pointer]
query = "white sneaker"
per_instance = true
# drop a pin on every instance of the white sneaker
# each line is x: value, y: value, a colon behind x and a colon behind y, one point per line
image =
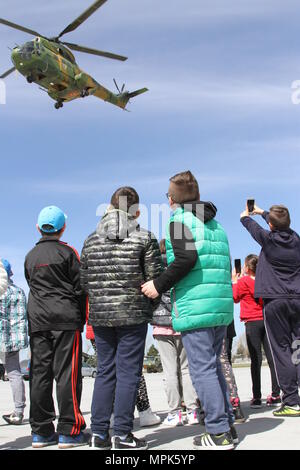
x: 192, y: 417
x: 174, y: 419
x: 148, y: 418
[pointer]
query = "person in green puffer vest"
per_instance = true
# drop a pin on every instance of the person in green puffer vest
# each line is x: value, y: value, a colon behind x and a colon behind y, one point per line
x: 199, y: 276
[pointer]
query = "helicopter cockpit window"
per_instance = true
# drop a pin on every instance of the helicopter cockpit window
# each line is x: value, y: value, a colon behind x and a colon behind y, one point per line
x: 28, y: 47
x: 27, y: 50
x: 66, y: 55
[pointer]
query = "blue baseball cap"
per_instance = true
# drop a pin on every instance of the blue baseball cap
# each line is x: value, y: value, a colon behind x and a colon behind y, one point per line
x: 7, y: 267
x: 51, y: 219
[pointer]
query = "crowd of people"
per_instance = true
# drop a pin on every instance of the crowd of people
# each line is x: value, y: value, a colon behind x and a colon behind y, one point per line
x: 185, y: 287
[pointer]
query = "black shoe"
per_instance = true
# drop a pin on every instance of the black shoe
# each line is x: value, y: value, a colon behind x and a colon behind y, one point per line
x: 214, y: 441
x: 234, y: 435
x: 13, y: 419
x: 100, y: 444
x: 256, y: 403
x: 239, y: 415
x: 130, y: 443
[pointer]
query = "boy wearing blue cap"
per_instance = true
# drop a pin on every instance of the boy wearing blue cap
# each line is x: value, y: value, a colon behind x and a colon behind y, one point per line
x: 13, y: 338
x: 56, y: 315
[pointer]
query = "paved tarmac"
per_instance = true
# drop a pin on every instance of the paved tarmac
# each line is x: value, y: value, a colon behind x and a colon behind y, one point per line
x: 261, y: 431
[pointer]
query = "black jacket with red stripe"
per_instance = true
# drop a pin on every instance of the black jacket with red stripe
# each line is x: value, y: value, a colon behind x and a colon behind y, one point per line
x: 56, y: 300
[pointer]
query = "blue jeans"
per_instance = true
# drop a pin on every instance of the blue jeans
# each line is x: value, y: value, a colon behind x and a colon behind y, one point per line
x: 203, y: 347
x: 120, y: 362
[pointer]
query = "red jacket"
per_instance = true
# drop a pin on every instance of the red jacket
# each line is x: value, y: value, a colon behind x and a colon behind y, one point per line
x: 89, y: 329
x: 243, y: 292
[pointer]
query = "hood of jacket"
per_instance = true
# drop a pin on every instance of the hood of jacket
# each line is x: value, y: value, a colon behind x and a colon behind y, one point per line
x: 205, y: 211
x: 284, y: 237
x: 117, y: 225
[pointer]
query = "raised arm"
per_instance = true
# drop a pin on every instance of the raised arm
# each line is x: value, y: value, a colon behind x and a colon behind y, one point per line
x: 236, y: 293
x: 255, y: 230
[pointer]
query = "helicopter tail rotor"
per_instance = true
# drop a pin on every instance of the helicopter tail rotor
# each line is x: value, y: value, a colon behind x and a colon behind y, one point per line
x: 125, y: 97
x: 117, y: 87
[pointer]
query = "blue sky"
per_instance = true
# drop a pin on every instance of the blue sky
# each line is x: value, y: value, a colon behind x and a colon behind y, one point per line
x: 219, y: 75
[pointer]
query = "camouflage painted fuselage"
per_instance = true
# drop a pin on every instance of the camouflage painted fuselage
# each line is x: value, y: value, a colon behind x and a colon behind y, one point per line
x: 53, y: 67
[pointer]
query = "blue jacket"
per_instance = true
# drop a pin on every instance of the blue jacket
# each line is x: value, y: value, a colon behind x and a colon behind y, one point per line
x: 278, y: 269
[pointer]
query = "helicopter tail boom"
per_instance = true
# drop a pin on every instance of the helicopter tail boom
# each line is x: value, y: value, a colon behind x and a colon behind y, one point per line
x: 124, y: 98
x: 137, y: 92
x: 121, y: 99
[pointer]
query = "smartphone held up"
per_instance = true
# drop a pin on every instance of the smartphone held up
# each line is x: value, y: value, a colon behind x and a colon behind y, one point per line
x: 251, y: 205
x: 238, y: 266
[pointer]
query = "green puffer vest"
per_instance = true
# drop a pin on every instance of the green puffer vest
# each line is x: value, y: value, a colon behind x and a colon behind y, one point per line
x: 203, y: 298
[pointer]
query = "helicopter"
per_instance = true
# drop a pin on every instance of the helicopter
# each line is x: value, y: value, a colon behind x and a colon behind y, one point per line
x: 49, y: 63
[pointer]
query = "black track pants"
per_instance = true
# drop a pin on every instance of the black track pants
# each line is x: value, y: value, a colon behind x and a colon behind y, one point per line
x: 282, y: 321
x: 256, y: 339
x: 56, y: 355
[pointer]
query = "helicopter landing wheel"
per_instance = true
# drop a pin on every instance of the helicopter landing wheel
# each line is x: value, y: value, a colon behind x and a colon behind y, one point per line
x: 29, y: 79
x: 58, y: 105
x: 84, y: 93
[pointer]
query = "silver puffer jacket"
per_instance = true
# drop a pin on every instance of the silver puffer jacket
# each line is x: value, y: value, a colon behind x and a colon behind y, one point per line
x: 115, y: 261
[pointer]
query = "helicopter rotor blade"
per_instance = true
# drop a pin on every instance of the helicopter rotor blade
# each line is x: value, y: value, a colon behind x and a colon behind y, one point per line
x: 8, y: 73
x: 83, y: 17
x: 20, y: 28
x: 89, y: 50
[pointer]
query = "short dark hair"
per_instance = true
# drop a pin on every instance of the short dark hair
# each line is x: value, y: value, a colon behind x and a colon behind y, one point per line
x: 126, y: 199
x: 279, y: 217
x: 184, y: 187
x: 251, y: 262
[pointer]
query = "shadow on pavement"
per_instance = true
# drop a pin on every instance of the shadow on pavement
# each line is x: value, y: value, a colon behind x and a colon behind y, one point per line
x: 162, y: 435
x: 257, y: 426
x: 18, y: 444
